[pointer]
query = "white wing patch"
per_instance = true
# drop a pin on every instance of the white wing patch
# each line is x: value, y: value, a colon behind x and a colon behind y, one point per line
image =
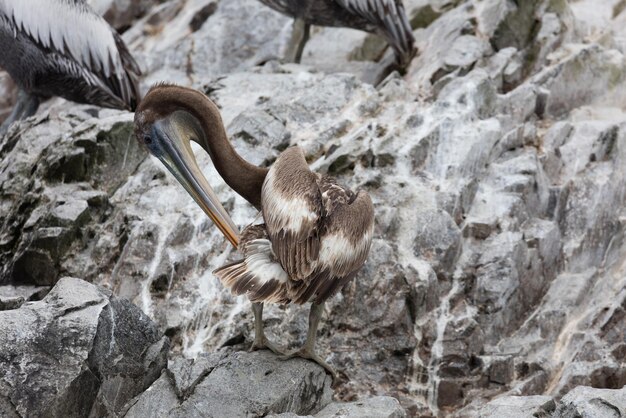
x: 290, y: 213
x: 67, y: 27
x: 259, y: 263
x: 339, y: 254
x: 257, y: 276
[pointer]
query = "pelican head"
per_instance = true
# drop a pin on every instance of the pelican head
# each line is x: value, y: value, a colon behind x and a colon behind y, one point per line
x: 166, y: 128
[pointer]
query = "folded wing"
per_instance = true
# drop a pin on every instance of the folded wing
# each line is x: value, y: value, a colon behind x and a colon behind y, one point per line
x: 72, y: 30
x: 292, y: 210
x: 390, y: 16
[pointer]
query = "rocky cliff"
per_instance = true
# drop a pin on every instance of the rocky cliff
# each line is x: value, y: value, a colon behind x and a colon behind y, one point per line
x: 496, y: 166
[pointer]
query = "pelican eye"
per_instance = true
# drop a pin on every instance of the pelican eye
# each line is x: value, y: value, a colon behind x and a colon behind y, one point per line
x: 147, y: 139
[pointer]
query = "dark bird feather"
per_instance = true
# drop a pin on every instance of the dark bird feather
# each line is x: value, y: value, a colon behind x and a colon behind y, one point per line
x: 63, y: 48
x: 384, y: 17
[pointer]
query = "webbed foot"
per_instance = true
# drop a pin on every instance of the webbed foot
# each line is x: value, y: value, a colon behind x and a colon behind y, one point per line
x: 261, y: 343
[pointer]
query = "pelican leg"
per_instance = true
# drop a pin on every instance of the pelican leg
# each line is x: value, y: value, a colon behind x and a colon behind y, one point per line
x: 386, y: 66
x: 299, y: 37
x: 260, y: 341
x: 308, y: 349
x: 25, y: 106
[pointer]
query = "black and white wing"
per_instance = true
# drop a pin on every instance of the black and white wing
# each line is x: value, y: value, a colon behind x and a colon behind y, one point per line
x: 391, y: 18
x: 72, y: 30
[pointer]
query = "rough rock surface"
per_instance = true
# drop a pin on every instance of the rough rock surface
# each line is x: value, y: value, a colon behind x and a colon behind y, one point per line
x: 496, y: 166
x: 12, y: 297
x: 8, y: 95
x: 590, y: 402
x: 580, y: 402
x: 121, y: 14
x: 378, y: 406
x: 518, y: 407
x: 236, y: 385
x: 80, y: 351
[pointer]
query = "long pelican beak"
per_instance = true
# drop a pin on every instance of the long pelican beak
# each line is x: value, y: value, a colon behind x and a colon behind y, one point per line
x: 171, y: 145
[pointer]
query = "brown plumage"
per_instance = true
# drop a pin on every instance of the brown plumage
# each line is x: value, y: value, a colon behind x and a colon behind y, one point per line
x: 316, y: 231
x: 316, y: 234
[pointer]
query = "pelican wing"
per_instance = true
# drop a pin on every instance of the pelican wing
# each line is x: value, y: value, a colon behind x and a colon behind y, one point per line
x: 390, y: 16
x: 348, y: 231
x: 292, y: 209
x: 72, y: 29
x: 278, y: 5
x: 258, y: 275
x: 348, y: 226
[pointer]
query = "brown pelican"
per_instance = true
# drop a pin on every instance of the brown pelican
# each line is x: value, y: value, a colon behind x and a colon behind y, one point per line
x: 63, y: 48
x: 316, y: 234
x: 384, y: 17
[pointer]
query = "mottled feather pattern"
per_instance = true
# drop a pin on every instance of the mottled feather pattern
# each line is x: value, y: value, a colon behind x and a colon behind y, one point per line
x: 292, y: 203
x: 250, y: 234
x: 333, y: 194
x: 258, y: 275
x: 283, y: 264
x: 348, y: 236
x: 77, y: 43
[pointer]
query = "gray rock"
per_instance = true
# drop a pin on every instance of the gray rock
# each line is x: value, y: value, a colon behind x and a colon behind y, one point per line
x: 8, y: 95
x: 513, y: 72
x: 156, y: 401
x: 501, y: 370
x: 518, y: 407
x: 521, y: 103
x: 121, y: 13
x: 12, y: 297
x: 572, y: 83
x: 239, y: 384
x: 591, y: 402
x: 378, y: 406
x: 465, y: 51
x: 187, y: 373
x: 439, y: 241
x: 62, y: 216
x: 512, y: 24
x: 585, y: 402
x: 73, y: 212
x: 288, y: 415
x: 90, y: 352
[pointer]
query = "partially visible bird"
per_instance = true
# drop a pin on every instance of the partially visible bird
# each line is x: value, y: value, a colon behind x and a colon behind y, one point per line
x: 63, y: 48
x: 383, y: 17
x: 316, y: 233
